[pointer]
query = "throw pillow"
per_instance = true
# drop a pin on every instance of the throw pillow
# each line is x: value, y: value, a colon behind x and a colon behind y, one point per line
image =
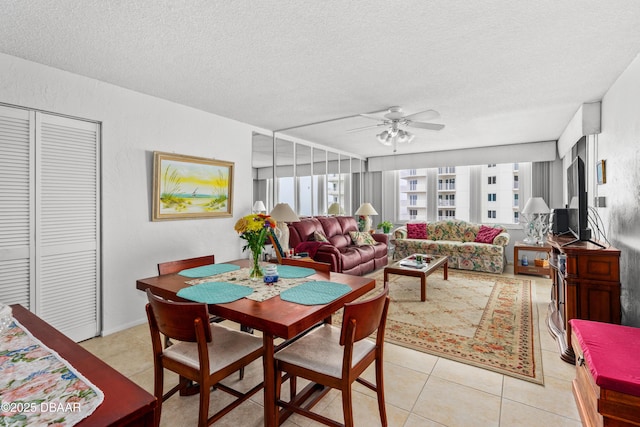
x: 362, y: 238
x: 417, y: 230
x: 319, y: 236
x: 487, y: 234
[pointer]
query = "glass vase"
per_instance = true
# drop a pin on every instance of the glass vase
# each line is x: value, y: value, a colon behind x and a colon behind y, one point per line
x: 256, y: 271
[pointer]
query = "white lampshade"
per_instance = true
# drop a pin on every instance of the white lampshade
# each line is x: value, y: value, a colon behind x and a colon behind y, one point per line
x: 536, y: 205
x: 366, y: 209
x: 335, y: 209
x: 283, y: 212
x: 259, y: 207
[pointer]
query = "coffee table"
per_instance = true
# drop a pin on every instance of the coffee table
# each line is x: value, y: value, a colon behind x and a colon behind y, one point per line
x: 410, y: 269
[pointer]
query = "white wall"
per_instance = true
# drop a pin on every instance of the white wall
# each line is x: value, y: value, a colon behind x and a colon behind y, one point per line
x: 619, y: 145
x: 133, y: 126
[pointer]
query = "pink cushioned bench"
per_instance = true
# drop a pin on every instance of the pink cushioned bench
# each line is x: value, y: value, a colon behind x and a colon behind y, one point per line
x: 607, y: 384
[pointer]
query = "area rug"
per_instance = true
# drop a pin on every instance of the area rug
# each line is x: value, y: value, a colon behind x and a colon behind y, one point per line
x: 481, y: 319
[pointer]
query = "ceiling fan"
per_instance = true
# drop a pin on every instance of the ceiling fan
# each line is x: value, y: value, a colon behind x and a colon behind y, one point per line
x: 394, y: 118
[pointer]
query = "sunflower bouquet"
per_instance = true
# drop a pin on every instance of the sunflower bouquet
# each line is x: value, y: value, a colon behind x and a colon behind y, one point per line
x: 254, y: 228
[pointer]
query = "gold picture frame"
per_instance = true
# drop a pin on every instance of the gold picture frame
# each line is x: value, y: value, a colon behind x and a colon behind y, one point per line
x: 188, y: 187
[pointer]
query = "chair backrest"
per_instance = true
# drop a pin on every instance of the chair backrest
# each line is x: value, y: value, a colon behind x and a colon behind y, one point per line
x: 366, y: 316
x: 277, y: 249
x: 176, y: 266
x: 176, y: 320
x: 322, y: 267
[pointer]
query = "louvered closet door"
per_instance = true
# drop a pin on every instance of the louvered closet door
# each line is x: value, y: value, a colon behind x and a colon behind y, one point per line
x: 67, y: 225
x: 16, y: 207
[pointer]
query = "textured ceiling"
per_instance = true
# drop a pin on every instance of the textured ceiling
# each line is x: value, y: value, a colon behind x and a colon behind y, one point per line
x: 498, y: 71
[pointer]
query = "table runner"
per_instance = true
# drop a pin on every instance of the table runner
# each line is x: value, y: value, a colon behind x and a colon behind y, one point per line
x: 208, y: 270
x: 261, y: 291
x: 315, y: 292
x: 38, y: 386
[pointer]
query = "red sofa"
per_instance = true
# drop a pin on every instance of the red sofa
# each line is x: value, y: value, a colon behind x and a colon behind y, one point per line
x: 340, y: 252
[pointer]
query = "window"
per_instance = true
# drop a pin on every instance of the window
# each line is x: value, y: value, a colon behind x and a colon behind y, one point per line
x: 307, y: 178
x: 447, y: 184
x: 446, y: 200
x: 446, y: 214
x: 516, y: 217
x: 286, y: 190
x: 492, y: 199
x: 413, y: 184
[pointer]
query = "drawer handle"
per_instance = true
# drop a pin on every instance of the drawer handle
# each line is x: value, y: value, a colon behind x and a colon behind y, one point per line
x: 580, y: 361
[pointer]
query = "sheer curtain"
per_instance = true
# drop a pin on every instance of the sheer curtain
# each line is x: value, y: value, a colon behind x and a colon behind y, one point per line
x: 541, y: 181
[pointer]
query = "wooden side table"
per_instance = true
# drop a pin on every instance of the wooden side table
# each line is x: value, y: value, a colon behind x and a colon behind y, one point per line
x: 518, y: 268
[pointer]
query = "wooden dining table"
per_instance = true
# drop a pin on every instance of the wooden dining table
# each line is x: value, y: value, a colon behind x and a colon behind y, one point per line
x: 275, y: 317
x: 125, y: 403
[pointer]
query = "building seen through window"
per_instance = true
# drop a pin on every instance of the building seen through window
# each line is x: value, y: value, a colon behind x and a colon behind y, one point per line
x: 480, y: 193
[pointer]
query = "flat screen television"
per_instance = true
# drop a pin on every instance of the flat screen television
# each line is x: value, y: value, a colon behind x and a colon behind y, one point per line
x: 578, y: 209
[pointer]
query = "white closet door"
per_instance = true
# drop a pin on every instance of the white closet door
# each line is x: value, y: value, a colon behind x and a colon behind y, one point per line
x: 67, y: 225
x: 16, y: 207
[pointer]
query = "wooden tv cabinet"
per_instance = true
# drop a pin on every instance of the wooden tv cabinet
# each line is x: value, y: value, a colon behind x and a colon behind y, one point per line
x: 588, y: 288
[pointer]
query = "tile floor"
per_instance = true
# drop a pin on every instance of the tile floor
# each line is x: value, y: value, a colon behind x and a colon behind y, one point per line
x: 421, y: 389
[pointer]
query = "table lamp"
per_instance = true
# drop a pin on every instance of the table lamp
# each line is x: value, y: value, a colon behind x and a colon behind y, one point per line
x: 259, y: 207
x: 335, y: 209
x: 535, y: 216
x: 283, y: 213
x: 365, y: 211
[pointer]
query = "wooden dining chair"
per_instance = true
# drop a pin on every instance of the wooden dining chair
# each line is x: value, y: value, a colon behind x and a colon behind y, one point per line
x: 336, y: 357
x: 172, y: 267
x: 204, y: 353
x: 322, y: 267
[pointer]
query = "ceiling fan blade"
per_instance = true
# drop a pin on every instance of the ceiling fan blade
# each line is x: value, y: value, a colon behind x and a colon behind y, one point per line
x: 365, y: 128
x: 423, y: 115
x: 375, y: 115
x: 430, y: 126
x: 372, y: 116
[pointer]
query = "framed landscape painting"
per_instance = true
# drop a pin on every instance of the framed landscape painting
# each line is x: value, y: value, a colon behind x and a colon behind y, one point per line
x: 186, y: 187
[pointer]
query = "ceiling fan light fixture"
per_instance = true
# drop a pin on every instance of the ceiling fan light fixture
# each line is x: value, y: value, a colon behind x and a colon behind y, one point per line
x: 393, y: 119
x: 385, y: 141
x: 405, y: 137
x: 383, y: 137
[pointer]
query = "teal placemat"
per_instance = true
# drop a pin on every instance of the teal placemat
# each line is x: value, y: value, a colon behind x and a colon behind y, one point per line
x: 214, y: 292
x: 314, y: 293
x: 293, y: 272
x: 208, y: 270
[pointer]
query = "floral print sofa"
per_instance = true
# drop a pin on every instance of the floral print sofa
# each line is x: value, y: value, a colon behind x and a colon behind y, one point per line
x: 469, y: 246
